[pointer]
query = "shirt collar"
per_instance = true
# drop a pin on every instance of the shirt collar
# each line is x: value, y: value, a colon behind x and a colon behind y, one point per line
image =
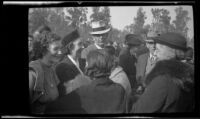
x: 75, y: 63
x: 98, y: 47
x: 150, y: 55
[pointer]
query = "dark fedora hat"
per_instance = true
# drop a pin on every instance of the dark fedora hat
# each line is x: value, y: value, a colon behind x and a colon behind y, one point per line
x: 70, y: 37
x: 173, y: 40
x: 133, y: 39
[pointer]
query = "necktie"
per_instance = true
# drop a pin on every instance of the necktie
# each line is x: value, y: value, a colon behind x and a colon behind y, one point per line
x: 152, y: 60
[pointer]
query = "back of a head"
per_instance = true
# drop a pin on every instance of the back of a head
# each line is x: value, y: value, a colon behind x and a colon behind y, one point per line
x: 100, y: 63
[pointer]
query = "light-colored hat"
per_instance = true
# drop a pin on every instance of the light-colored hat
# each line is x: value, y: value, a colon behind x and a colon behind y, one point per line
x: 99, y: 28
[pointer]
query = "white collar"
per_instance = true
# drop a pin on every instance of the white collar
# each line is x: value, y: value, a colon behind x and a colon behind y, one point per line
x: 150, y: 55
x: 75, y: 63
x: 98, y: 47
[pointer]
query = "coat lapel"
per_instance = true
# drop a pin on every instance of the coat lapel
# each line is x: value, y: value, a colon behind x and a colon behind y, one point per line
x: 70, y: 63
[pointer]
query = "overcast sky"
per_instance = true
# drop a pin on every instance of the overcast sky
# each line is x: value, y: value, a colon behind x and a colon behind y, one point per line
x: 123, y: 15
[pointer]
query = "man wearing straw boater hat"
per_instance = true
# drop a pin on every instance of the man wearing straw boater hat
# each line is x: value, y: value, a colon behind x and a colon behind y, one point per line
x: 99, y: 34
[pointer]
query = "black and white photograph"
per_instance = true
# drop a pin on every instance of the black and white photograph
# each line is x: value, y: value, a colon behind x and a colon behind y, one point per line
x: 109, y: 59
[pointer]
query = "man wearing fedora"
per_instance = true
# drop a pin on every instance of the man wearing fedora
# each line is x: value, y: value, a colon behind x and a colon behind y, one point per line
x: 146, y: 61
x: 99, y: 34
x: 170, y: 84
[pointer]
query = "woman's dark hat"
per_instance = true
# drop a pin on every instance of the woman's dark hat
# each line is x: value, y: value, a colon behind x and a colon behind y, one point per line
x: 173, y: 40
x: 70, y: 37
x: 133, y: 39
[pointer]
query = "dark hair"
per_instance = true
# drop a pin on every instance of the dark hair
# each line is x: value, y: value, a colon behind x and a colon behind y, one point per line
x: 68, y: 48
x: 112, y: 52
x: 44, y: 28
x: 68, y: 40
x: 41, y: 44
x: 100, y: 63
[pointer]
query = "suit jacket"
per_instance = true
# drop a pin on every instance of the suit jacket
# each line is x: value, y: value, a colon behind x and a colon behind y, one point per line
x: 65, y: 71
x: 103, y: 96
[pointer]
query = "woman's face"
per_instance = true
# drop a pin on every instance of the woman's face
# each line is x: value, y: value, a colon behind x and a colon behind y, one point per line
x: 163, y: 52
x: 77, y: 46
x: 55, y: 51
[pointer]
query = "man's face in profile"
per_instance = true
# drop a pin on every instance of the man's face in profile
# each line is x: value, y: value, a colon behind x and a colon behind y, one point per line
x: 151, y: 46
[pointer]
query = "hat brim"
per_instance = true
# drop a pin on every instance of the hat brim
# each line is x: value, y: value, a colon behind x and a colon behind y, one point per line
x: 160, y: 41
x: 100, y: 32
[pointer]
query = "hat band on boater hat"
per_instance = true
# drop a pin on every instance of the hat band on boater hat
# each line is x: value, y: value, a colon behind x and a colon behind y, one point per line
x: 100, y: 30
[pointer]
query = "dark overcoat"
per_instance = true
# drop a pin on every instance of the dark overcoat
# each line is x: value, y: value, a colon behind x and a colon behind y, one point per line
x: 169, y: 89
x: 102, y: 96
x: 67, y: 104
x: 141, y: 66
x: 65, y: 71
x: 127, y: 62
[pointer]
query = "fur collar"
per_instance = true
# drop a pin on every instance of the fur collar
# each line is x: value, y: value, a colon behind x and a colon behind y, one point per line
x: 181, y: 73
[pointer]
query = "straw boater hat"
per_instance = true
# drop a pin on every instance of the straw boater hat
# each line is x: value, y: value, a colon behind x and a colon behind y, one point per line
x: 99, y: 27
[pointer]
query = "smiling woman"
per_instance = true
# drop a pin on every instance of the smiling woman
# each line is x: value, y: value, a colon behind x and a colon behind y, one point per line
x: 42, y: 78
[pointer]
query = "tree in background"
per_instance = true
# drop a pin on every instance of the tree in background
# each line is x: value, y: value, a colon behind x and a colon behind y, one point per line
x: 101, y: 14
x: 61, y: 20
x: 161, y: 21
x: 181, y: 21
x: 78, y: 15
x: 37, y: 17
x: 139, y: 21
x: 52, y: 17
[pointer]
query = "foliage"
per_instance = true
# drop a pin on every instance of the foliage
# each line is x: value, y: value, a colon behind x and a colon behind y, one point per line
x: 139, y: 21
x: 161, y: 21
x: 137, y: 27
x: 181, y: 21
x: 101, y: 13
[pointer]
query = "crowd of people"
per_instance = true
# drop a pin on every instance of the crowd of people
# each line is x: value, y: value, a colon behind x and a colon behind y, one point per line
x: 152, y: 75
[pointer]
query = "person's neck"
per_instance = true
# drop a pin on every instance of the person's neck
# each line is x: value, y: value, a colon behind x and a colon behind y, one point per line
x: 46, y: 61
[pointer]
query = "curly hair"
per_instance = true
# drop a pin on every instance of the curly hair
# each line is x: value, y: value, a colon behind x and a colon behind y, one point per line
x: 41, y: 44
